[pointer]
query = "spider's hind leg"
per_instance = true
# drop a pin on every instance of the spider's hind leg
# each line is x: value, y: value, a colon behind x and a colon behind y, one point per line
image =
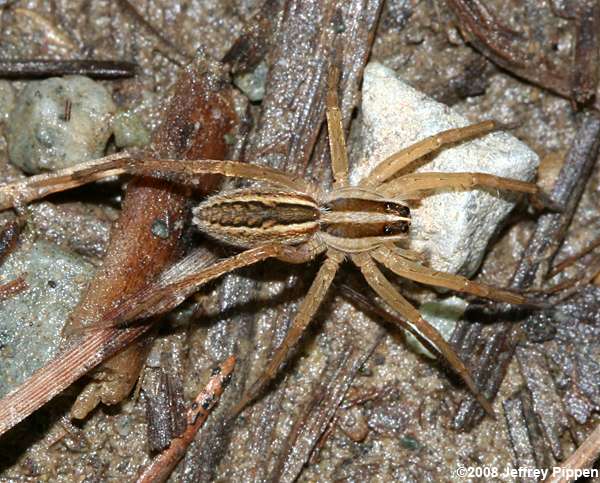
x: 308, y: 308
x: 417, y: 324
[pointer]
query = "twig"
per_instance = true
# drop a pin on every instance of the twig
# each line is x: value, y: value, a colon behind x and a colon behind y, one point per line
x: 162, y: 465
x: 8, y: 239
x: 36, y: 68
x: 567, y: 262
x: 13, y: 287
x: 582, y: 459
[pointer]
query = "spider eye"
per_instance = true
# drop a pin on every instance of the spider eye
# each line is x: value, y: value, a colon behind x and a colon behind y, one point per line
x: 387, y: 229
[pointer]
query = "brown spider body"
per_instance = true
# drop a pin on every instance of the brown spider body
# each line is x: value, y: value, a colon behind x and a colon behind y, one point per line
x: 247, y: 217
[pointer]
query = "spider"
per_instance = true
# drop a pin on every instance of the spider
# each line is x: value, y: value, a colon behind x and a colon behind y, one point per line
x: 296, y: 221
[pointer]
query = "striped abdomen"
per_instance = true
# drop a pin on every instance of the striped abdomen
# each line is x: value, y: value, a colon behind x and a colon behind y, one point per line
x: 249, y: 217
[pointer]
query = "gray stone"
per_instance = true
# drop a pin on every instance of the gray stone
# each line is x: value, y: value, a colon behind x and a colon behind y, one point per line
x: 253, y: 83
x: 129, y: 131
x: 452, y: 228
x: 31, y: 321
x: 59, y: 122
x: 7, y: 99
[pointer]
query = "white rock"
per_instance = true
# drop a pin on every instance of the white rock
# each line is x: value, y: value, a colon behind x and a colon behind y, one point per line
x: 452, y: 227
x: 59, y: 122
x: 441, y: 314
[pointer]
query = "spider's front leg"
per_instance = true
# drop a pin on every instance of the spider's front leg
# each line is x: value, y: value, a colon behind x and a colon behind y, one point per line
x: 418, y: 185
x: 400, y: 160
x: 308, y: 308
x: 41, y: 185
x: 335, y: 127
x: 417, y: 324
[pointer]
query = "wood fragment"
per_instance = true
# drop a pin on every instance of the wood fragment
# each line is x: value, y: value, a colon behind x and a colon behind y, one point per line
x: 252, y: 46
x: 483, y: 31
x: 8, y: 239
x: 165, y: 409
x: 162, y: 465
x: 40, y: 68
x: 583, y: 458
x: 12, y: 288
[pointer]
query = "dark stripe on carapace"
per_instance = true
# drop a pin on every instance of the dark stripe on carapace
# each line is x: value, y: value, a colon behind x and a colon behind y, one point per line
x: 367, y: 229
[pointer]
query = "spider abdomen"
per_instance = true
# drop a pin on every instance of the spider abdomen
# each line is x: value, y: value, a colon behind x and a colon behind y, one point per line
x: 249, y: 217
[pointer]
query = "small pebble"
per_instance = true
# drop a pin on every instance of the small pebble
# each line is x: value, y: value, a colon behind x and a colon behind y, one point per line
x: 253, y: 83
x: 59, y: 122
x: 31, y: 321
x: 129, y: 131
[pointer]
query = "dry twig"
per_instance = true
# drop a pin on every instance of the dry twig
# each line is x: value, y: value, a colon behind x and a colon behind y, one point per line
x: 36, y: 68
x: 583, y: 458
x: 162, y: 465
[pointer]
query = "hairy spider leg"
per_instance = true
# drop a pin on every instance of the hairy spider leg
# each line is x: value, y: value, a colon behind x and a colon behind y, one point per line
x: 417, y: 324
x: 418, y: 185
x: 387, y: 256
x: 309, y: 306
x: 400, y: 160
x: 41, y: 185
x: 335, y: 128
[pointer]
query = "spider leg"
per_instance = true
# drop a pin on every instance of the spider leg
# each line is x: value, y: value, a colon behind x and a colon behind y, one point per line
x: 400, y: 160
x: 337, y: 143
x: 416, y: 324
x: 187, y: 171
x: 39, y: 186
x: 35, y: 187
x: 184, y: 278
x: 420, y: 273
x: 306, y: 312
x: 418, y: 185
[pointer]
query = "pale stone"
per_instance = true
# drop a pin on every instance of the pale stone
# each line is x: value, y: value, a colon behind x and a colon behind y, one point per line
x: 452, y: 228
x: 59, y: 122
x: 31, y: 320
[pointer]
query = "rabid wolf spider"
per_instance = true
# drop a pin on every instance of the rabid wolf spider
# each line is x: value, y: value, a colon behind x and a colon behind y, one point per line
x: 295, y: 221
